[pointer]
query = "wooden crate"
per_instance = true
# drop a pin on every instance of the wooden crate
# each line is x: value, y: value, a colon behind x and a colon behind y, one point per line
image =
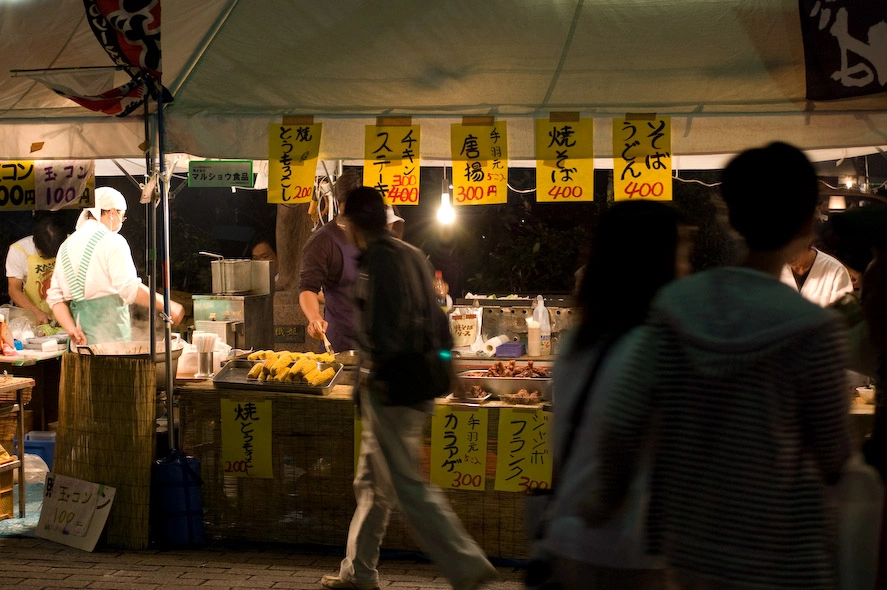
x: 6, y: 496
x: 8, y: 426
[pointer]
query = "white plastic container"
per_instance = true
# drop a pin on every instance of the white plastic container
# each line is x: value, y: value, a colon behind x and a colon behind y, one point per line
x: 540, y: 314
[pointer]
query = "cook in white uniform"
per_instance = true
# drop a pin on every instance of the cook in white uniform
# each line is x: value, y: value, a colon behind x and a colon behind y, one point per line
x: 820, y: 278
x: 95, y: 280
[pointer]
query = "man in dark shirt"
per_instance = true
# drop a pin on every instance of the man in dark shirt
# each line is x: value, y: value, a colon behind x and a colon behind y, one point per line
x: 328, y: 272
x: 390, y: 295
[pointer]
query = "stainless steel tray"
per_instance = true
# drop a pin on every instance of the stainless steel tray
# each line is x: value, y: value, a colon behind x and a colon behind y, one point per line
x: 507, y: 385
x: 233, y: 375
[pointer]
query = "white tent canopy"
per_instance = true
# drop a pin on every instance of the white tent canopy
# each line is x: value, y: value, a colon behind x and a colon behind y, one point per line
x: 729, y: 73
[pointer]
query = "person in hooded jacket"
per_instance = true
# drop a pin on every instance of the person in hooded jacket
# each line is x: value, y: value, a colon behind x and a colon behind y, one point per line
x: 95, y: 279
x: 614, y: 555
x: 740, y: 382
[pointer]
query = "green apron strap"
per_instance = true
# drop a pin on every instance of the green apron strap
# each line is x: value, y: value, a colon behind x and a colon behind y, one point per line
x: 66, y: 264
x: 78, y: 282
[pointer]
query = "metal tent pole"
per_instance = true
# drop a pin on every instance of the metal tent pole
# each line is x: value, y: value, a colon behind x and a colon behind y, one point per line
x: 150, y: 233
x: 163, y: 186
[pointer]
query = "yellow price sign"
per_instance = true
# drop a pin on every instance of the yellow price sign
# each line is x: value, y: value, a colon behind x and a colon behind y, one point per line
x: 292, y: 162
x: 480, y: 163
x: 524, y: 458
x: 246, y: 438
x: 459, y: 447
x: 642, y: 159
x: 564, y: 161
x: 391, y: 162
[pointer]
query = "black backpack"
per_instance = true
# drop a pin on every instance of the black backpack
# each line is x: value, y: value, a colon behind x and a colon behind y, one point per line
x: 424, y: 370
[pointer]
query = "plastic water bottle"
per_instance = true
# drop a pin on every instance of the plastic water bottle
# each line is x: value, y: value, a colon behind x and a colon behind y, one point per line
x: 440, y: 290
x: 540, y: 314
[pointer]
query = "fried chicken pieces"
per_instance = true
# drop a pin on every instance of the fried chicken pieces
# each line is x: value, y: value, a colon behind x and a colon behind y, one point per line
x: 510, y: 369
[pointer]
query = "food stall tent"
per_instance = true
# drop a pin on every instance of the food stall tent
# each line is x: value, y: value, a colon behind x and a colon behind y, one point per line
x: 730, y: 73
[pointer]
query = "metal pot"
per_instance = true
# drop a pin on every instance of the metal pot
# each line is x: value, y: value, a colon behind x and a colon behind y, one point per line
x: 230, y: 275
x: 139, y: 349
x: 349, y: 360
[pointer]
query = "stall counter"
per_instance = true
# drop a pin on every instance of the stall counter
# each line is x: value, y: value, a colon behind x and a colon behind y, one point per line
x: 45, y: 369
x: 309, y: 498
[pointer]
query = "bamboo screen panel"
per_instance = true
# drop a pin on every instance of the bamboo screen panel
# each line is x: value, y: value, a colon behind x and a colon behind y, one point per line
x: 310, y: 499
x: 106, y: 436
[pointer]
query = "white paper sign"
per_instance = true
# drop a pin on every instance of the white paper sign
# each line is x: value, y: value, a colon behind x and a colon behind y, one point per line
x: 74, y: 511
x: 63, y: 183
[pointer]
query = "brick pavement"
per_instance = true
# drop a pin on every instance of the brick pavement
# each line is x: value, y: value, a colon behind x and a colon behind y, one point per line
x: 37, y: 563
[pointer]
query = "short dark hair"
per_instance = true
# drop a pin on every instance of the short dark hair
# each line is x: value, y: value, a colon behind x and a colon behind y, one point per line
x: 365, y: 208
x: 48, y: 236
x: 263, y: 237
x: 349, y: 180
x: 770, y: 193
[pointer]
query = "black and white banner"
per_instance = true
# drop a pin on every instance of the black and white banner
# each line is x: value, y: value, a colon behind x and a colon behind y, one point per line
x: 845, y: 47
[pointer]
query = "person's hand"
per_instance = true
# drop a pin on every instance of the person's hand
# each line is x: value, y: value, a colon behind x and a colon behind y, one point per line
x: 317, y: 328
x: 77, y: 337
x: 42, y: 317
x: 177, y: 312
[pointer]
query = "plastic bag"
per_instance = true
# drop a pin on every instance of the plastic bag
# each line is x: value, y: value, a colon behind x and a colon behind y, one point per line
x: 22, y: 327
x: 464, y: 325
x: 35, y: 469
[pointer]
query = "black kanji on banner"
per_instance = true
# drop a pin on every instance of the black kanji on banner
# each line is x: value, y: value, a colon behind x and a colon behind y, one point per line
x: 129, y: 31
x: 845, y: 47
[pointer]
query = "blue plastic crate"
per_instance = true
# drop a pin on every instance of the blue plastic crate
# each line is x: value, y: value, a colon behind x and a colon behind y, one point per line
x: 45, y: 449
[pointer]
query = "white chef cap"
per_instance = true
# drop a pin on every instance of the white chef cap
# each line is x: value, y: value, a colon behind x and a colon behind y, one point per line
x: 390, y: 217
x: 106, y: 198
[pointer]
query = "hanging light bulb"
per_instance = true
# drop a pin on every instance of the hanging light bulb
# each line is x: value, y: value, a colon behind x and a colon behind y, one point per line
x: 445, y: 213
x: 837, y: 203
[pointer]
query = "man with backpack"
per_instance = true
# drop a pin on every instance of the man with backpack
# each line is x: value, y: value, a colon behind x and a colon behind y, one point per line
x: 404, y: 344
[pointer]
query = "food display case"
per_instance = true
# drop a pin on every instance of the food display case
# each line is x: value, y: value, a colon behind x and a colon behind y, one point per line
x: 508, y: 315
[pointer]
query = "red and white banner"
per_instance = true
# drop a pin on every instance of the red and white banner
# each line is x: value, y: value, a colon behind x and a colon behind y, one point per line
x: 129, y: 31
